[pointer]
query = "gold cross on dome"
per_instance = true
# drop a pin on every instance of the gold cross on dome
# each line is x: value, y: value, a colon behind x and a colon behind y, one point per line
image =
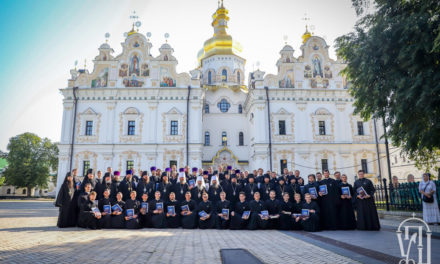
x: 134, y: 17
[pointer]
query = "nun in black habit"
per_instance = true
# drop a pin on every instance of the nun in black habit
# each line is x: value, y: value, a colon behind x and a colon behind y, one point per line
x: 158, y: 217
x: 223, y: 220
x: 67, y: 214
x: 310, y: 223
x: 106, y: 219
x: 118, y: 220
x: 87, y: 217
x: 367, y: 218
x: 188, y: 217
x: 257, y: 220
x: 347, y: 220
x: 172, y: 219
x: 132, y: 222
x: 207, y: 221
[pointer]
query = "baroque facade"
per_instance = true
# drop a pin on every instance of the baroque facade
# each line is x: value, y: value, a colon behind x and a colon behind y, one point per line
x: 135, y: 110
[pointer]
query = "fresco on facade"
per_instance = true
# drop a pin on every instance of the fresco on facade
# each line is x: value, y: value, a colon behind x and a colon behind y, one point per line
x: 327, y: 72
x: 308, y: 72
x: 317, y: 69
x: 145, y: 70
x: 133, y: 82
x: 166, y: 80
x: 101, y: 80
x: 123, y: 71
x: 134, y: 65
x: 288, y: 81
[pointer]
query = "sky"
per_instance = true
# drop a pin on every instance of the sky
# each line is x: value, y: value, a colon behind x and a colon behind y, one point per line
x: 41, y: 40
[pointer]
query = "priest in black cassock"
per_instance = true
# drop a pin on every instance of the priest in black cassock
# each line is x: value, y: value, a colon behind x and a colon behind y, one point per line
x: 67, y: 215
x: 207, y: 221
x: 310, y: 223
x: 106, y: 219
x: 274, y: 208
x: 265, y: 187
x: 144, y: 211
x: 286, y: 220
x: 145, y: 186
x: 223, y: 220
x: 172, y: 219
x: 238, y: 221
x: 189, y: 218
x: 128, y: 185
x: 214, y: 190
x: 181, y: 187
x: 257, y: 220
x: 297, y: 207
x: 116, y: 185
x: 232, y: 191
x: 158, y: 217
x: 312, y: 185
x: 347, y: 220
x: 367, y: 218
x: 250, y: 188
x: 330, y: 203
x: 132, y: 222
x: 87, y: 217
x: 118, y: 220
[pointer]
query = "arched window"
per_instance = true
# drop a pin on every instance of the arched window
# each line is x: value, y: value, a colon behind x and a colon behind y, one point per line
x: 224, y: 75
x: 24, y: 191
x: 206, y: 108
x: 238, y: 77
x: 240, y: 109
x: 8, y: 191
x: 224, y: 138
x: 224, y: 106
x: 240, y: 139
x: 209, y: 77
x: 207, y: 138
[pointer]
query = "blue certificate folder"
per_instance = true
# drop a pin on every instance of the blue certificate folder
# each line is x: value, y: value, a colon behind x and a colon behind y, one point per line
x: 312, y: 192
x: 323, y: 189
x: 171, y: 210
x: 145, y: 206
x: 159, y: 206
x: 107, y: 209
x: 130, y: 213
x: 246, y: 214
x: 361, y: 191
x: 345, y: 191
x: 305, y: 212
x: 265, y: 213
x: 225, y: 212
x: 116, y: 208
x: 96, y: 210
x: 203, y: 214
x: 185, y: 208
x: 191, y: 183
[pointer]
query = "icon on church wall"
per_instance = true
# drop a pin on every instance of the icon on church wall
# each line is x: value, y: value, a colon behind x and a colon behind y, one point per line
x: 308, y: 72
x: 327, y: 72
x: 288, y: 81
x: 318, y: 82
x: 134, y: 65
x: 101, y: 80
x: 123, y: 71
x: 145, y: 70
x: 166, y: 80
x: 133, y: 82
x: 136, y: 44
x: 317, y: 69
x: 315, y: 47
x: 345, y: 82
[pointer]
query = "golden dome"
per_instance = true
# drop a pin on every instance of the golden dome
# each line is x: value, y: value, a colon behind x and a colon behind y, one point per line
x: 221, y: 42
x: 306, y: 35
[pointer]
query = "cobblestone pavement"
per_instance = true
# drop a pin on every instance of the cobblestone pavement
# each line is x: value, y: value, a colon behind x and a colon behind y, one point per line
x: 28, y: 235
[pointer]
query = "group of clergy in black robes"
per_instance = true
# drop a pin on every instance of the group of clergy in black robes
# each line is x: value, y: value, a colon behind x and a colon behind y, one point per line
x: 229, y: 200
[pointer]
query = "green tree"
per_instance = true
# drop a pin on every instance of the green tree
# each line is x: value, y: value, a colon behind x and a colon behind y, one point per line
x: 30, y: 159
x: 393, y: 67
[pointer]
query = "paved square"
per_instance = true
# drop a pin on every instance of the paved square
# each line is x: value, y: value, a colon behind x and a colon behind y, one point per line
x: 28, y: 234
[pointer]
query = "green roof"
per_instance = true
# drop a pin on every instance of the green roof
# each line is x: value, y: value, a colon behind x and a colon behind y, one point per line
x: 3, y: 163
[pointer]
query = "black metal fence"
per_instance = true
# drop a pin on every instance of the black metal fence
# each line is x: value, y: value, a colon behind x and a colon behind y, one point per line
x: 404, y: 197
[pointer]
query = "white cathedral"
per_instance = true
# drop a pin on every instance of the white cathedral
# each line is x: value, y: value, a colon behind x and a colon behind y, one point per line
x: 135, y: 110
